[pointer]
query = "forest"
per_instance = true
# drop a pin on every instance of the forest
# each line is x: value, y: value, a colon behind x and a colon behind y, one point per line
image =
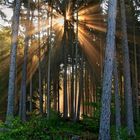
x: 69, y: 70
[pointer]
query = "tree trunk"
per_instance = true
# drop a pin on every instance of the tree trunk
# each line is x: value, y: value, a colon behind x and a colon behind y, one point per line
x: 58, y: 102
x: 31, y: 95
x: 104, y: 131
x: 136, y: 77
x: 72, y: 77
x: 49, y: 65
x: 39, y: 67
x: 76, y: 64
x: 117, y: 98
x: 127, y: 77
x: 65, y: 100
x: 48, y: 84
x: 24, y: 69
x: 55, y: 93
x: 12, y: 74
x: 80, y: 89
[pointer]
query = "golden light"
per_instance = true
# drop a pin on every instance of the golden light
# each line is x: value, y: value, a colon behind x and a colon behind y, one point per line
x: 60, y: 21
x: 67, y: 16
x: 35, y: 58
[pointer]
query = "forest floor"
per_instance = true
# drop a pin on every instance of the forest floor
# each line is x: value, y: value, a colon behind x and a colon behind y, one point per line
x: 56, y: 128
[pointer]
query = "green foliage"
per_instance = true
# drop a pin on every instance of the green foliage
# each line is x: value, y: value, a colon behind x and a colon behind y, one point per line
x: 39, y: 128
x: 138, y: 131
x: 90, y: 124
x: 123, y: 133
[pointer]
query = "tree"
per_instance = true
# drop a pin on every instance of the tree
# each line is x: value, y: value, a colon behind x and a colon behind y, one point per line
x: 126, y: 69
x: 80, y: 89
x: 65, y: 107
x: 136, y: 77
x: 12, y: 73
x: 39, y: 67
x: 31, y: 95
x: 117, y: 98
x: 22, y: 111
x: 104, y: 131
x: 49, y: 62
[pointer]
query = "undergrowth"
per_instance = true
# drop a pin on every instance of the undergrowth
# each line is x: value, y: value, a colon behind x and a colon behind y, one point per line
x: 39, y: 128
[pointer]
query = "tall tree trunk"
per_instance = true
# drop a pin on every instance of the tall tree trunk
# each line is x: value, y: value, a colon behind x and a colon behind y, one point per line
x: 117, y: 98
x: 48, y: 83
x: 49, y: 63
x: 31, y: 76
x: 12, y: 74
x: 136, y: 77
x: 45, y: 95
x: 55, y: 92
x: 31, y: 95
x: 76, y: 63
x: 39, y: 67
x: 104, y: 131
x: 72, y: 77
x: 24, y: 69
x: 80, y: 89
x: 65, y: 108
x: 86, y: 90
x: 127, y: 77
x: 83, y: 96
x: 58, y: 95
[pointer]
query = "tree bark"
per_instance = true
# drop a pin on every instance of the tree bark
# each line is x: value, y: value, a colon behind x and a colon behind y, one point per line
x: 80, y: 90
x: 72, y: 78
x: 76, y: 64
x: 126, y: 69
x: 39, y: 67
x: 104, y: 130
x: 49, y: 65
x: 31, y: 95
x: 65, y: 108
x: 117, y: 98
x: 24, y: 69
x: 12, y: 73
x: 136, y: 77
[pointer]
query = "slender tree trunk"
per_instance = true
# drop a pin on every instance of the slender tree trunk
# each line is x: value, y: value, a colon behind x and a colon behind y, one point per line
x: 72, y: 78
x: 104, y: 131
x: 55, y: 92
x: 83, y: 96
x: 65, y: 108
x: 127, y: 76
x: 31, y: 95
x: 39, y: 67
x: 49, y: 66
x: 48, y: 83
x: 45, y: 95
x: 76, y: 64
x: 86, y: 91
x: 117, y: 98
x: 80, y: 89
x: 24, y: 69
x: 12, y: 74
x: 136, y: 77
x: 58, y: 102
x: 31, y: 76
